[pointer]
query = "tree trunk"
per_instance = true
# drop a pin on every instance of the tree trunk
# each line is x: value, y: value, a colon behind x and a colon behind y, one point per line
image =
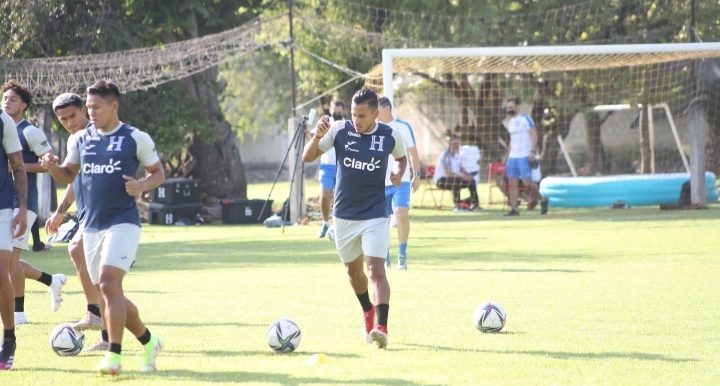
x: 645, y: 154
x: 218, y: 165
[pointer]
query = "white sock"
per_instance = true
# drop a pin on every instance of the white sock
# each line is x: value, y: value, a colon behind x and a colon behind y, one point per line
x: 326, y: 223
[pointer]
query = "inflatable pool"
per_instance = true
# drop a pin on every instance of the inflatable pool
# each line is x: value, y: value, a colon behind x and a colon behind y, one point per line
x: 632, y: 189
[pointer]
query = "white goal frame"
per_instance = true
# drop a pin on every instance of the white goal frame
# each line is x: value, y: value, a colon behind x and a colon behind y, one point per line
x: 695, y: 125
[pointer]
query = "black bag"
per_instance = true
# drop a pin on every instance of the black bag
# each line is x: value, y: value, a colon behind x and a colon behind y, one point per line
x: 66, y: 232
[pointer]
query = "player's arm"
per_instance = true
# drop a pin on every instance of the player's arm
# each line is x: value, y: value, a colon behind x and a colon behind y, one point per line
x: 399, y: 153
x: 65, y: 173
x: 19, y: 224
x: 38, y: 143
x: 320, y: 142
x: 533, y: 136
x: 52, y: 223
x: 147, y: 155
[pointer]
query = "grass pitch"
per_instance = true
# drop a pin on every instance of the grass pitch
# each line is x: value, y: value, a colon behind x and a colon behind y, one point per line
x: 596, y: 296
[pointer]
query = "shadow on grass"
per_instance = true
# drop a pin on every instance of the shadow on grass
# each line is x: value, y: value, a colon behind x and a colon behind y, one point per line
x: 566, y: 355
x: 260, y: 353
x: 204, y: 324
x: 514, y: 270
x: 225, y: 377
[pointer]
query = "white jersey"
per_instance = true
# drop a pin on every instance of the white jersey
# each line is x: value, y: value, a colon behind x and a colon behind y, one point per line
x: 519, y: 128
x: 447, y: 161
x: 409, y: 139
x: 328, y: 158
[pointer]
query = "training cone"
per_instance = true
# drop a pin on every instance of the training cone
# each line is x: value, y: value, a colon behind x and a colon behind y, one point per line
x: 317, y: 359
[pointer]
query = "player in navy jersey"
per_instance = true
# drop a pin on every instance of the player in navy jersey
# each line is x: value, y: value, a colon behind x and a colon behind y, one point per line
x: 10, y: 227
x: 108, y: 154
x: 16, y: 99
x: 362, y: 235
x: 70, y: 111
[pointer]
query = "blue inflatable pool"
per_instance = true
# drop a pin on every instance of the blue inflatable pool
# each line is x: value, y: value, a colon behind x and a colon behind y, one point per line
x: 633, y: 189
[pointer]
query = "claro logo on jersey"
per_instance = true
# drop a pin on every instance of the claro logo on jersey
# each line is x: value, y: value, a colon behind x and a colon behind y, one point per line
x: 93, y: 168
x: 360, y: 165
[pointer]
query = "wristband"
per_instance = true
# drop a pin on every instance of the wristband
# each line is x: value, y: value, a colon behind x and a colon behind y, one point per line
x: 416, y: 174
x: 316, y: 136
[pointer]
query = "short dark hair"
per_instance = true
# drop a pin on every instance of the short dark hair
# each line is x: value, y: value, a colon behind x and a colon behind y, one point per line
x: 66, y: 100
x: 106, y: 89
x: 515, y: 99
x: 338, y: 103
x: 22, y: 90
x: 385, y: 102
x: 366, y: 96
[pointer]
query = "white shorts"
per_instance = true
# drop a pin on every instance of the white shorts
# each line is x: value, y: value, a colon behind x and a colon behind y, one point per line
x: 116, y: 246
x: 22, y: 241
x: 361, y: 237
x: 6, y: 218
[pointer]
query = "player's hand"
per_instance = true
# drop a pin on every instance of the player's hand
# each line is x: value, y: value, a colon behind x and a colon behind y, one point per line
x: 531, y: 158
x: 132, y: 186
x: 415, y: 184
x: 19, y: 223
x: 323, y: 126
x: 53, y: 223
x: 396, y: 179
x: 49, y: 161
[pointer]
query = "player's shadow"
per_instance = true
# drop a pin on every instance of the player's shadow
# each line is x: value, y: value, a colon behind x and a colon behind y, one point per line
x: 204, y: 324
x: 513, y: 270
x: 245, y: 353
x: 565, y: 354
x: 256, y: 377
x: 225, y: 377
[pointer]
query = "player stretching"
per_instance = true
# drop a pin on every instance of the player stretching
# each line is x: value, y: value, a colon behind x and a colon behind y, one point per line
x: 71, y: 113
x: 362, y: 235
x: 108, y: 154
x: 10, y: 227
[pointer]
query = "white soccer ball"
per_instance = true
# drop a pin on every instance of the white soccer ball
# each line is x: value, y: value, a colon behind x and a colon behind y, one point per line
x: 489, y: 317
x: 283, y: 335
x: 331, y: 234
x: 65, y: 341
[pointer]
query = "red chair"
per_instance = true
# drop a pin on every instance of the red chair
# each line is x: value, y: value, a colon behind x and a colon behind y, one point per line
x: 497, y: 169
x: 429, y: 186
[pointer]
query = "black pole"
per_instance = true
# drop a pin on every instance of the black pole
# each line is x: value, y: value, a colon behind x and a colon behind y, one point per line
x: 292, y: 59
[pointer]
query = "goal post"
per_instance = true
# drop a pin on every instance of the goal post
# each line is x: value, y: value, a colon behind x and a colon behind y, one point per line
x: 464, y: 90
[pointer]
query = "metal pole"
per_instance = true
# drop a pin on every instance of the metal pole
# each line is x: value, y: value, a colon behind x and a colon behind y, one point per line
x: 292, y: 59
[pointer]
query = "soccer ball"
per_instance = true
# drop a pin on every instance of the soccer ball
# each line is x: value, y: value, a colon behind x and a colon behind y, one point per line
x: 331, y: 234
x: 65, y: 341
x: 283, y: 335
x: 489, y: 317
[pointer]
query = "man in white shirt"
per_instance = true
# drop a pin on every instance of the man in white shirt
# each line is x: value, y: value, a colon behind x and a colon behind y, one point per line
x: 450, y: 175
x: 521, y: 154
x: 398, y: 198
x: 328, y: 171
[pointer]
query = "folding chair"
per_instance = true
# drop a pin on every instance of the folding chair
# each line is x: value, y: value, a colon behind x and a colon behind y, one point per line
x: 429, y: 186
x: 496, y: 169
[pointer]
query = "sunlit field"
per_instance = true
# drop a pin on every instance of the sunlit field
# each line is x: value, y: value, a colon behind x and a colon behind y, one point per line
x: 601, y: 296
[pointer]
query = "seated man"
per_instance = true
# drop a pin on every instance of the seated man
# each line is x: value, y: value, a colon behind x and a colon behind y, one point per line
x: 450, y: 175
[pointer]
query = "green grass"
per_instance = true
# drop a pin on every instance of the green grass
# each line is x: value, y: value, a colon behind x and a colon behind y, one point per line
x: 592, y: 297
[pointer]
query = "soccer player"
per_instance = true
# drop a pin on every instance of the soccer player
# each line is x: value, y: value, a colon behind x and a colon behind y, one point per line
x: 521, y: 153
x: 16, y: 98
x: 328, y: 171
x: 108, y: 154
x: 10, y: 227
x: 398, y: 198
x: 70, y: 111
x: 362, y: 234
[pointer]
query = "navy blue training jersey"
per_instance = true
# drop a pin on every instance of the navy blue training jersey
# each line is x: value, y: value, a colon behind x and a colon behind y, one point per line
x: 10, y: 144
x: 104, y: 158
x: 362, y: 160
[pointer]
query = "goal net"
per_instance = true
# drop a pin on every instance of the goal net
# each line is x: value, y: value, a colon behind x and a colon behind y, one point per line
x: 611, y: 110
